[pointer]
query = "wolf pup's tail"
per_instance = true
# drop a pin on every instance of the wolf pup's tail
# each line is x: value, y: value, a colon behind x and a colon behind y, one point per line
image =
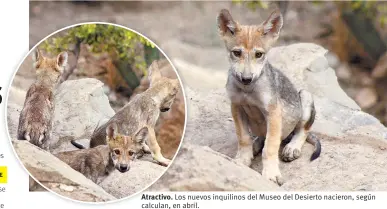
x: 312, y: 139
x: 77, y: 145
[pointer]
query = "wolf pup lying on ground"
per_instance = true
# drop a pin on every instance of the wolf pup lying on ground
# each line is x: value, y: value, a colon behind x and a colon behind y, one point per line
x: 98, y: 162
x: 35, y: 122
x: 143, y: 110
x: 263, y: 100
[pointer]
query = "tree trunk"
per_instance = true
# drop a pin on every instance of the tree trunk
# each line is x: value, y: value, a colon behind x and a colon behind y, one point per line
x: 364, y: 31
x: 130, y: 77
x: 151, y: 54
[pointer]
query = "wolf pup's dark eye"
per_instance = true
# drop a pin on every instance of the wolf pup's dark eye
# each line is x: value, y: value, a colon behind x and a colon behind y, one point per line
x: 258, y: 54
x: 237, y: 53
x: 131, y: 153
x: 117, y: 152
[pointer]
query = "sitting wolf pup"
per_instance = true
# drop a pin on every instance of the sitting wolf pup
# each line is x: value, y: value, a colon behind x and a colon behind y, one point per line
x: 35, y: 122
x: 263, y: 100
x: 98, y: 162
x: 143, y: 110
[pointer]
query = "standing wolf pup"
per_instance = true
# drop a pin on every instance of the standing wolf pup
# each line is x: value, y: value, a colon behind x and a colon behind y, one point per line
x: 143, y: 110
x: 98, y: 162
x: 35, y: 122
x: 263, y: 100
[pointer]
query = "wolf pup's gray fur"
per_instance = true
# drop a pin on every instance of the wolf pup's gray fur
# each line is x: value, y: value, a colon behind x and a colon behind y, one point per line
x: 143, y: 110
x: 98, y: 162
x: 263, y: 100
x: 35, y: 122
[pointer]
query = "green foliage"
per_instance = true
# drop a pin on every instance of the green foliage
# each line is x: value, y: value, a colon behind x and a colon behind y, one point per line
x: 103, y: 38
x: 253, y: 5
x: 370, y: 9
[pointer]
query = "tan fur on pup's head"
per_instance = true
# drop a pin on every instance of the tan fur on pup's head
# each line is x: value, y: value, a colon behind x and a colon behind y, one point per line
x: 262, y: 35
x: 247, y: 45
x: 49, y: 68
x: 123, y: 149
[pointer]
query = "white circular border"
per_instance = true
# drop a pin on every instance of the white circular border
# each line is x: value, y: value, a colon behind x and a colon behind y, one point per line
x: 185, y: 109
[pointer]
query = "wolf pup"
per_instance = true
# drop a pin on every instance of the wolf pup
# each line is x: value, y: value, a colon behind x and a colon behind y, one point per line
x: 98, y: 162
x: 143, y: 110
x: 263, y: 100
x: 35, y: 122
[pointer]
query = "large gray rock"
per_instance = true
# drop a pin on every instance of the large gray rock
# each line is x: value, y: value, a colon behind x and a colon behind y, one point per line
x: 79, y: 106
x: 141, y: 175
x: 198, y: 168
x: 58, y: 176
x: 306, y: 66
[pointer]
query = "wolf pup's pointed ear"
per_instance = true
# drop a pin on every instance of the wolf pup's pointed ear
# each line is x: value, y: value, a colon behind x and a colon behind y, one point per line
x: 111, y: 131
x: 272, y: 26
x: 36, y: 56
x: 154, y: 72
x: 141, y: 135
x: 61, y: 59
x: 225, y: 23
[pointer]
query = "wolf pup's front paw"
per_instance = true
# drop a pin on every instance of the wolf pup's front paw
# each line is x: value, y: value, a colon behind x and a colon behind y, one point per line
x: 273, y: 174
x: 291, y: 152
x: 244, y: 156
x: 163, y: 161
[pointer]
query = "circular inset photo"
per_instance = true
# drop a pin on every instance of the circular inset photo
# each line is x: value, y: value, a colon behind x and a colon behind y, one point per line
x: 95, y: 112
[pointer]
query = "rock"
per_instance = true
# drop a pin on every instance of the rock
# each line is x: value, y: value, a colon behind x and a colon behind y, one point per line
x: 13, y: 114
x: 343, y: 72
x: 333, y: 60
x: 80, y: 105
x: 208, y: 123
x: 298, y: 62
x: 198, y: 168
x: 319, y: 64
x: 141, y: 175
x: 17, y: 95
x: 58, y: 176
x: 366, y: 97
x: 198, y: 77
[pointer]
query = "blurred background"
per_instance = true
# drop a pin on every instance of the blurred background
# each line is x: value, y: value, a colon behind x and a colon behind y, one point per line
x: 120, y: 59
x: 354, y: 31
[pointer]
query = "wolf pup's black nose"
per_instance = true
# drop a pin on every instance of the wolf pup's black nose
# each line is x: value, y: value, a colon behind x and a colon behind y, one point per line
x: 246, y: 80
x: 165, y: 109
x: 123, y: 168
